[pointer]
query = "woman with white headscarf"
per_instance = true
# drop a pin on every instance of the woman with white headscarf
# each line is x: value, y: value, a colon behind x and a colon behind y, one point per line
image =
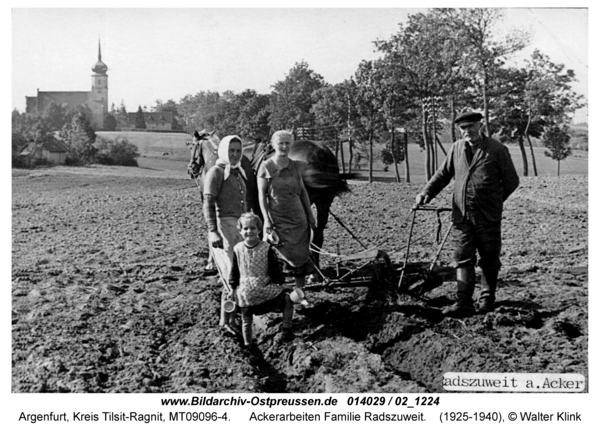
x: 224, y: 202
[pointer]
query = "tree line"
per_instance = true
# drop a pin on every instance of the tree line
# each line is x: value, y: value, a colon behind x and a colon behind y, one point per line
x: 437, y: 64
x: 75, y: 131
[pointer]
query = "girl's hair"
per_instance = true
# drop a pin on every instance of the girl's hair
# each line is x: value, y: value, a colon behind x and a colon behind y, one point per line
x: 249, y: 216
x: 282, y: 133
x: 236, y: 139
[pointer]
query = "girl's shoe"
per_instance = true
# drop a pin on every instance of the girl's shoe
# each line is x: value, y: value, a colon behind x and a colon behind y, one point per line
x: 233, y: 330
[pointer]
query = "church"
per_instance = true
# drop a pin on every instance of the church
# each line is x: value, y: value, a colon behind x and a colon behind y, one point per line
x: 96, y: 100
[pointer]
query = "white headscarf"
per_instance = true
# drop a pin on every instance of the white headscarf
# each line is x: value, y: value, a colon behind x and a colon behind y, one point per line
x: 223, y: 153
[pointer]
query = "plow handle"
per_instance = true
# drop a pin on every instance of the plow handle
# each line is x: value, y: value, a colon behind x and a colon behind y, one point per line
x: 412, y: 224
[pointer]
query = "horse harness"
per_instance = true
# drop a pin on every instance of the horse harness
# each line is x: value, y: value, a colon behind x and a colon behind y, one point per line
x: 197, y: 162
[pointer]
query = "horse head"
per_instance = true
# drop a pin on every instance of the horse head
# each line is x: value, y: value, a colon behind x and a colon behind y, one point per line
x: 204, y: 153
x: 257, y: 152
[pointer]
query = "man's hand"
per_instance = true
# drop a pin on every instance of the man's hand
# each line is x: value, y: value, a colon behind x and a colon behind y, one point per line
x: 215, y: 240
x: 421, y: 199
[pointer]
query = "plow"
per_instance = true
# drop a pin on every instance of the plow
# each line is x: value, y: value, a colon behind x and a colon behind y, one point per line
x: 373, y: 266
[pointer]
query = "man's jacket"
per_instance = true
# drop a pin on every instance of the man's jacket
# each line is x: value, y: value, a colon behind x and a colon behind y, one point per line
x: 492, y: 175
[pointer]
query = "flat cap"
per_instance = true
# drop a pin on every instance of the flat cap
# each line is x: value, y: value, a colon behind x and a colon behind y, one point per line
x: 468, y: 118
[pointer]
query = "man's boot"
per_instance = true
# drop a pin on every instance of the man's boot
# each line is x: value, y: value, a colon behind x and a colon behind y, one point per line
x: 487, y: 297
x: 465, y: 285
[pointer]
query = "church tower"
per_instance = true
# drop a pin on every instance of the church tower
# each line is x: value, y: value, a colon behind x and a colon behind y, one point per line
x: 99, y: 96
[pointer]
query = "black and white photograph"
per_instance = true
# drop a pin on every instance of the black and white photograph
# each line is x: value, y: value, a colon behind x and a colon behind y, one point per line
x: 219, y: 202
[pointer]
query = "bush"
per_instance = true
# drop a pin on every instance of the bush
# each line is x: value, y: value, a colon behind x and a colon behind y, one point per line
x: 386, y: 154
x: 116, y: 152
x: 110, y: 122
x: 79, y: 136
x: 41, y: 163
x: 18, y: 162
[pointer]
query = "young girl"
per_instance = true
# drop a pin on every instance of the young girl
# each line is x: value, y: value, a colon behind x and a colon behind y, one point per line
x: 256, y: 278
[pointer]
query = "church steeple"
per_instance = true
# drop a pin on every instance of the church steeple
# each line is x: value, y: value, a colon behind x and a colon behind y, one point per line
x: 100, y: 68
x: 98, y: 99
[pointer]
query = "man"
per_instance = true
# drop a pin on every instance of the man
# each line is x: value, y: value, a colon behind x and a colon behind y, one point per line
x: 484, y: 177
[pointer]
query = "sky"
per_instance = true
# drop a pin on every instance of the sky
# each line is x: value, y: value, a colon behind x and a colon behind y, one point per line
x: 164, y: 54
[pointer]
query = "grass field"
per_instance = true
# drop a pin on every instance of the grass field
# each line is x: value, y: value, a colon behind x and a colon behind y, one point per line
x: 154, y: 144
x: 172, y: 147
x: 576, y: 164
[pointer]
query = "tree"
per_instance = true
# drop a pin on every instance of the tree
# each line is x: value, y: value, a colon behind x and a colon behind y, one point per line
x: 531, y: 98
x: 18, y: 144
x: 334, y: 108
x: 56, y: 115
x: 556, y: 139
x: 187, y: 109
x: 291, y: 98
x: 330, y: 107
x: 120, y: 115
x: 21, y: 130
x: 79, y: 136
x: 78, y: 110
x: 201, y: 111
x: 427, y: 58
x: 168, y: 106
x: 476, y: 30
x: 393, y: 152
x: 549, y: 93
x: 253, y: 114
x: 116, y: 152
x: 512, y: 116
x: 27, y: 128
x: 368, y: 103
x: 397, y: 109
x: 110, y: 122
x: 227, y: 113
x: 23, y: 124
x: 140, y: 121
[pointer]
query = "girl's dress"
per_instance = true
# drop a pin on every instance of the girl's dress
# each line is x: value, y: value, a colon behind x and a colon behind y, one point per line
x: 255, y: 274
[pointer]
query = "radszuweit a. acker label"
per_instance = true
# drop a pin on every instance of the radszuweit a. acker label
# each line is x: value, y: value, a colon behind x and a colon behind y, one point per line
x: 514, y: 382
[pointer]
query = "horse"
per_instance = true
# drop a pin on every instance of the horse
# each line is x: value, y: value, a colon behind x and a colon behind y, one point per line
x: 321, y: 177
